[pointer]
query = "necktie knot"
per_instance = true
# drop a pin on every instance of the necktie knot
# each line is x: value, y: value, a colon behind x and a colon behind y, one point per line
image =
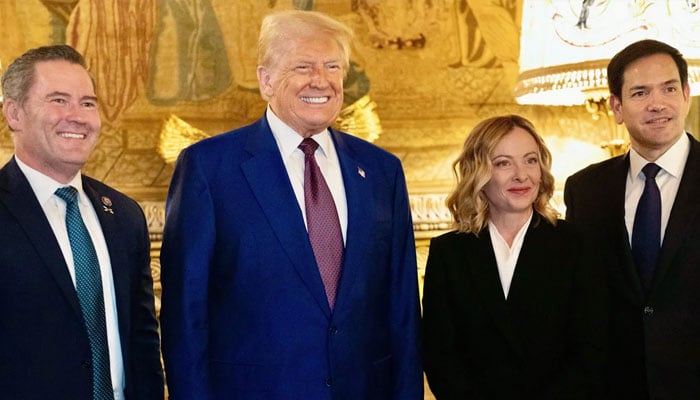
x: 650, y: 170
x: 69, y: 194
x: 308, y: 146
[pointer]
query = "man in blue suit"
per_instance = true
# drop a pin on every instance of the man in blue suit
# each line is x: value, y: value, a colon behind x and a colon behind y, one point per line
x: 74, y: 324
x: 254, y: 304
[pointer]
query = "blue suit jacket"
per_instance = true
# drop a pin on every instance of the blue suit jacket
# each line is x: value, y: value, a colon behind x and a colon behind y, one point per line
x: 244, y: 312
x: 44, y: 347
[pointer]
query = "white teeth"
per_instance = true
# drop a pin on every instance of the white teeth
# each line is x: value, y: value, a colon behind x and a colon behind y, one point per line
x: 72, y: 135
x: 315, y: 100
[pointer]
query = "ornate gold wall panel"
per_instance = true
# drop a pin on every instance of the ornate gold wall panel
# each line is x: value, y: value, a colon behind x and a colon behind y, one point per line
x: 431, y: 70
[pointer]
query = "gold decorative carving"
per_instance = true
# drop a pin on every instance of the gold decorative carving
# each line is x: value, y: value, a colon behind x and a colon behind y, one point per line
x: 430, y: 212
x: 361, y: 119
x: 175, y: 136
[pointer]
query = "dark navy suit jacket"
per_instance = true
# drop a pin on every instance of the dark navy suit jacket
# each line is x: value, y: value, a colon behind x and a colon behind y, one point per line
x: 654, y: 336
x: 44, y: 347
x: 245, y: 315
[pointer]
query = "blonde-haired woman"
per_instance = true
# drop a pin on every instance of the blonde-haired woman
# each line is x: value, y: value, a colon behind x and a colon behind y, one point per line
x: 514, y: 304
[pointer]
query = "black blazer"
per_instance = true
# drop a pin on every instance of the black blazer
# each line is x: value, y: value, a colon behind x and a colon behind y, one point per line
x: 655, y: 336
x: 44, y: 347
x: 544, y: 342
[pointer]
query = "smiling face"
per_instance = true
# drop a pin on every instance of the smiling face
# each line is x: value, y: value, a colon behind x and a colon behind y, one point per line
x: 515, y: 176
x: 305, y: 85
x: 653, y: 104
x: 57, y: 127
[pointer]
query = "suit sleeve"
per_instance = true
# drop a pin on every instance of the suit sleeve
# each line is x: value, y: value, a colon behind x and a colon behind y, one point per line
x: 447, y: 375
x: 405, y: 306
x: 569, y: 200
x: 188, y: 241
x: 145, y: 351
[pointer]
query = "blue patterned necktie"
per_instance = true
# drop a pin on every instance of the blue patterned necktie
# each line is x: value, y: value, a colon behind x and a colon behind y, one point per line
x: 322, y: 221
x: 646, y: 231
x: 88, y: 284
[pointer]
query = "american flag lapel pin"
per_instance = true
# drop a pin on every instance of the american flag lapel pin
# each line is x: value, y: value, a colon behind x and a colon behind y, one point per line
x: 361, y: 172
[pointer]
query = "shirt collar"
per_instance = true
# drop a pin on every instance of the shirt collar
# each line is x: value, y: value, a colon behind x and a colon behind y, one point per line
x: 672, y: 161
x: 44, y: 186
x: 289, y: 140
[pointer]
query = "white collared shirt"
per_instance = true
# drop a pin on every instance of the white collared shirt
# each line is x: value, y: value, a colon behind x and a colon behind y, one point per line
x: 507, y: 256
x: 672, y: 164
x: 288, y: 142
x: 55, y: 210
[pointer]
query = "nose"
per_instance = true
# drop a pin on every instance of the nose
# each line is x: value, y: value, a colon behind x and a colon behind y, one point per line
x: 319, y: 79
x: 76, y: 113
x: 655, y: 102
x: 519, y: 173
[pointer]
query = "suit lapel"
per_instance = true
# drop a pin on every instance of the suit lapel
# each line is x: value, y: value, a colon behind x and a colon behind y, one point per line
x: 683, y: 213
x: 484, y: 271
x: 118, y: 254
x: 358, y: 194
x: 269, y: 182
x: 19, y: 198
x: 622, y: 263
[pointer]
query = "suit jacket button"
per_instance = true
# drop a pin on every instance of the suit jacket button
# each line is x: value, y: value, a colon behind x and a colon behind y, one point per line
x: 333, y: 330
x: 328, y: 382
x: 85, y: 364
x: 648, y: 310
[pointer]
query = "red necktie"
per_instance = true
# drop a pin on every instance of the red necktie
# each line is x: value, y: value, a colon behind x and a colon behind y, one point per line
x: 322, y: 221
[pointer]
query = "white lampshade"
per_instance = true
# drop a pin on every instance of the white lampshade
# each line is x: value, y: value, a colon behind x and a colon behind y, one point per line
x: 563, y: 57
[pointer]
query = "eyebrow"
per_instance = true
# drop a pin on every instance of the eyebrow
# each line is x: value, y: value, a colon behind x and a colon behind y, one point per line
x: 64, y: 94
x: 495, y: 156
x: 668, y: 82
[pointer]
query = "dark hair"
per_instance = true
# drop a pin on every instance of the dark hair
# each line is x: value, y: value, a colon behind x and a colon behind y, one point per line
x: 19, y: 75
x: 635, y: 51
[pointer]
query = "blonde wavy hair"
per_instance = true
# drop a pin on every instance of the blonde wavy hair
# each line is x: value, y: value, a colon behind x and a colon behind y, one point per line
x: 468, y: 203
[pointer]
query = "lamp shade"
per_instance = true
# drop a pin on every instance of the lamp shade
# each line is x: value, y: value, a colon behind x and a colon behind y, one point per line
x: 565, y: 45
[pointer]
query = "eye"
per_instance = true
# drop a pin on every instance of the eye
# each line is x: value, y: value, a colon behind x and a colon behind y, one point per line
x: 302, y: 68
x: 671, y: 89
x: 501, y: 163
x: 532, y: 160
x: 59, y: 100
x: 638, y: 93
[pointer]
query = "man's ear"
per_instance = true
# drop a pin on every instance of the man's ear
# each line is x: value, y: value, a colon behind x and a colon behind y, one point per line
x: 265, y: 82
x: 616, y: 107
x: 11, y: 111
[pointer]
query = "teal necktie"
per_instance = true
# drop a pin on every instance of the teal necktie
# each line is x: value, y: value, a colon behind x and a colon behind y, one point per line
x: 88, y: 284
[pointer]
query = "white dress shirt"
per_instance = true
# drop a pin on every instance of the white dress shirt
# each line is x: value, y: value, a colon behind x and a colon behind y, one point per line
x: 55, y: 210
x: 507, y: 256
x: 288, y: 142
x: 672, y: 164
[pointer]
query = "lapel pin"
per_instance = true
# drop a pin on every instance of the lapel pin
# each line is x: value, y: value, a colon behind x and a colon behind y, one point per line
x: 361, y: 172
x: 107, y: 204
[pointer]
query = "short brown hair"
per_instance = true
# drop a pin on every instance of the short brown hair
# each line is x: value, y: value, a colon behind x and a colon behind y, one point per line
x: 19, y: 75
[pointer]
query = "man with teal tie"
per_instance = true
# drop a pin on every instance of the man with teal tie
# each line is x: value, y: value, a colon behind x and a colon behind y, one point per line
x: 76, y: 294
